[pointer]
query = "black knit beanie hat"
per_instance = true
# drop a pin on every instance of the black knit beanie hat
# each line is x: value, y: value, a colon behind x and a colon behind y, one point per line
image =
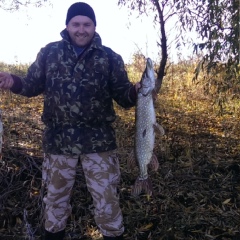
x: 80, y: 8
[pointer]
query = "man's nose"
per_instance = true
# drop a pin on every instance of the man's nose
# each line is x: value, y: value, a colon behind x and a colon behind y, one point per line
x: 81, y: 29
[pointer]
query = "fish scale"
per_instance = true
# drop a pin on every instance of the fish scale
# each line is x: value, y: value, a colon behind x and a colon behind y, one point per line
x: 145, y: 135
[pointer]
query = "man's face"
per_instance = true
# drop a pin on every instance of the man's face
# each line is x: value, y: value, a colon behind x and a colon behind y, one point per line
x: 81, y: 30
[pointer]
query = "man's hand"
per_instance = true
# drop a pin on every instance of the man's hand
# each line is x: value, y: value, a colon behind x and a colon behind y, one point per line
x: 137, y: 86
x: 6, y: 80
x: 154, y: 93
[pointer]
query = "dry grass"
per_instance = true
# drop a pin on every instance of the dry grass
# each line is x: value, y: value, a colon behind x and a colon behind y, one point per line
x: 196, y: 190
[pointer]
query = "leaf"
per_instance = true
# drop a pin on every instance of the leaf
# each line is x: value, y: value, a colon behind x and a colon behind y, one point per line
x: 227, y: 201
x: 146, y: 227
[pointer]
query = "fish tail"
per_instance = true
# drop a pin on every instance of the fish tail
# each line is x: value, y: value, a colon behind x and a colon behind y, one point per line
x: 142, y: 185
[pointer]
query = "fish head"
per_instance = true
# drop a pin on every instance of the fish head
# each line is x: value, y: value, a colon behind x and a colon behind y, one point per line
x: 148, y: 79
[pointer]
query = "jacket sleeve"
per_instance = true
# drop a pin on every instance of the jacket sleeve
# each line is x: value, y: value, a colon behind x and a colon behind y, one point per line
x: 122, y: 90
x: 33, y: 83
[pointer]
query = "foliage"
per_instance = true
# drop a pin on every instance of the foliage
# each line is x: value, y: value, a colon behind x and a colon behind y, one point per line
x: 222, y: 82
x: 14, y: 5
x: 217, y: 24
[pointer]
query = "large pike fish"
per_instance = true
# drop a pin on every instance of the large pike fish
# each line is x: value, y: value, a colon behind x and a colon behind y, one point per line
x: 145, y: 129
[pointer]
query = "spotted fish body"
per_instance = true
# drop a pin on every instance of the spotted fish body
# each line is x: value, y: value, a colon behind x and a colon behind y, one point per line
x: 145, y: 124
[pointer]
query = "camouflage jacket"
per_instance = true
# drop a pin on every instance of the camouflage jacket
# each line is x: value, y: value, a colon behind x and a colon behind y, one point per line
x: 78, y: 95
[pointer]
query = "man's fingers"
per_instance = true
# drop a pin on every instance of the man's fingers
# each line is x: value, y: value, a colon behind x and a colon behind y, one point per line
x: 137, y: 86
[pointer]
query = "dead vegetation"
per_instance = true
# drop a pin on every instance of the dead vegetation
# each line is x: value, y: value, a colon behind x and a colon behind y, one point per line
x: 196, y: 190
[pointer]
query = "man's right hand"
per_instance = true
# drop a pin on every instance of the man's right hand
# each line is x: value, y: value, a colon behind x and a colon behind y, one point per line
x: 6, y: 80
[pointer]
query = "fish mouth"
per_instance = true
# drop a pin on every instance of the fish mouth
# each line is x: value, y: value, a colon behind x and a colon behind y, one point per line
x: 147, y: 81
x: 149, y: 67
x: 149, y: 63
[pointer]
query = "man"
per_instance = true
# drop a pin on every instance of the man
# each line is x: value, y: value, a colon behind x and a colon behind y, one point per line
x: 79, y: 79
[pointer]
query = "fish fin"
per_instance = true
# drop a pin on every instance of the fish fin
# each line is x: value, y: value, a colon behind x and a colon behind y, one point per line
x: 142, y: 185
x: 131, y: 162
x: 154, y: 164
x: 158, y: 129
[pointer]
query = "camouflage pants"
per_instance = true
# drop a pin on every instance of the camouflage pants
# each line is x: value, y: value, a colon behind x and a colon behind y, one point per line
x: 102, y: 175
